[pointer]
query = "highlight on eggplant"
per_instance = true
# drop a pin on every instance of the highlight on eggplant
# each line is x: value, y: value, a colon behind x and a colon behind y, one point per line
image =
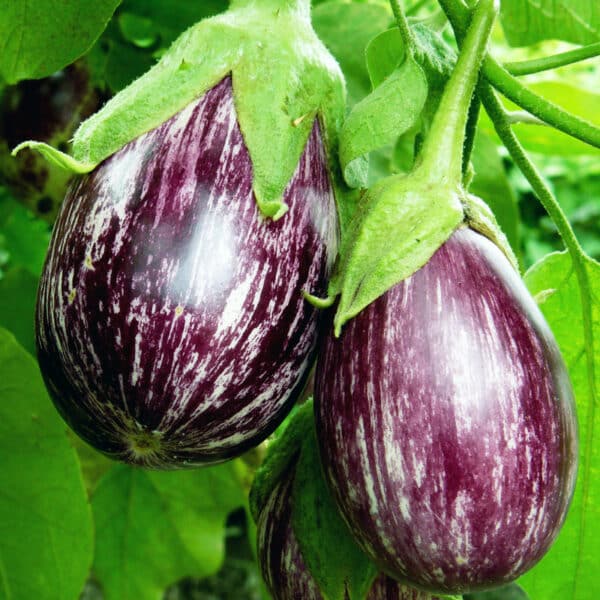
x: 171, y: 326
x: 447, y: 424
x: 281, y: 562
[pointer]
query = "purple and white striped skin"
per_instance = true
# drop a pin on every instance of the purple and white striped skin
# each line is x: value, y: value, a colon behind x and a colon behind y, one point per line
x: 447, y: 425
x: 283, y: 568
x: 171, y: 326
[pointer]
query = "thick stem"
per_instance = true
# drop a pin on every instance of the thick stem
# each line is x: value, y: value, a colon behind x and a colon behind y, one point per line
x: 300, y: 8
x: 470, y: 132
x: 406, y: 33
x: 537, y: 65
x: 514, y: 90
x: 443, y: 148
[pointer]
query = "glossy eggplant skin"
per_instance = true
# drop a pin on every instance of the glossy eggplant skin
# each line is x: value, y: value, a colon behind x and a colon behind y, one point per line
x: 171, y: 326
x: 446, y: 423
x: 281, y: 562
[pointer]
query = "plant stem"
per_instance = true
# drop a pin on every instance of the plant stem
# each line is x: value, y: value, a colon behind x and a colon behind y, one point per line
x: 406, y: 33
x: 443, y: 148
x: 471, y: 130
x: 537, y: 65
x: 578, y: 259
x: 514, y: 90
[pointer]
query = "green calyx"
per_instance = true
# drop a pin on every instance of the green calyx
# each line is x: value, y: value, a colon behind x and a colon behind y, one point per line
x: 404, y: 219
x: 283, y: 78
x: 281, y: 456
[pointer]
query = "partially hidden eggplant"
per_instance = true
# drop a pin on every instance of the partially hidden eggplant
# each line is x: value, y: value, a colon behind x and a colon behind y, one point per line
x: 447, y: 425
x: 171, y: 326
x: 281, y: 562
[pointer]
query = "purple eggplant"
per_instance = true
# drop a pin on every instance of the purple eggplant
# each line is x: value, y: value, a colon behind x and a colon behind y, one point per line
x: 171, y: 325
x: 281, y: 562
x: 446, y: 423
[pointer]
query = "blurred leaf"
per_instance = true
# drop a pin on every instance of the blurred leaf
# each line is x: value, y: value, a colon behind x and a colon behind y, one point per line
x: 346, y: 29
x: 18, y: 289
x: 154, y: 528
x: 547, y: 140
x: 326, y: 544
x: 45, y: 520
x: 530, y: 21
x: 23, y: 237
x: 512, y: 591
x: 140, y: 31
x: 124, y: 63
x: 171, y: 18
x: 491, y: 184
x: 569, y: 570
x: 39, y: 38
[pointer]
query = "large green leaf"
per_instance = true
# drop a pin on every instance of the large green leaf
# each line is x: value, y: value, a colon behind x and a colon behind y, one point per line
x: 23, y: 238
x: 41, y: 37
x: 530, y: 21
x: 18, y: 290
x: 154, y: 528
x: 346, y: 28
x: 570, y: 570
x: 45, y: 520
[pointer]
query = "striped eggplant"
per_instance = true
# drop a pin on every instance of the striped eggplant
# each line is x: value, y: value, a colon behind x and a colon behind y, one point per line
x: 171, y: 326
x: 281, y: 562
x: 446, y: 423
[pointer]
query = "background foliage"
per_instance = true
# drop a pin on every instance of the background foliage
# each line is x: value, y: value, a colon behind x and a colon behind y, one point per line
x: 67, y: 515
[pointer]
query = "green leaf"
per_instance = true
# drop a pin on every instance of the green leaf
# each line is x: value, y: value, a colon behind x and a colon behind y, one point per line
x: 327, y: 546
x: 281, y: 453
x: 41, y: 37
x: 18, y: 289
x: 491, y: 183
x: 529, y: 21
x: 569, y: 570
x: 512, y: 591
x: 377, y: 120
x: 45, y: 519
x: 154, y: 528
x: 338, y: 22
x: 417, y: 216
x: 23, y: 237
x: 384, y: 54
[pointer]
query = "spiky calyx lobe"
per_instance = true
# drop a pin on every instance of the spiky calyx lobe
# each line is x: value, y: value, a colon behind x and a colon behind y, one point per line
x: 171, y: 327
x: 283, y: 78
x: 447, y: 425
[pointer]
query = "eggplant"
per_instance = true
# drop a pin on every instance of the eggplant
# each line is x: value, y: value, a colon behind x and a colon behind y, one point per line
x: 171, y: 326
x: 446, y: 423
x: 281, y: 562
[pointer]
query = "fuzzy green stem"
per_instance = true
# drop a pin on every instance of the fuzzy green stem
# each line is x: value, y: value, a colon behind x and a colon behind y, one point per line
x: 443, y: 148
x: 546, y: 63
x: 300, y: 8
x: 406, y: 33
x: 496, y: 112
x: 514, y: 90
